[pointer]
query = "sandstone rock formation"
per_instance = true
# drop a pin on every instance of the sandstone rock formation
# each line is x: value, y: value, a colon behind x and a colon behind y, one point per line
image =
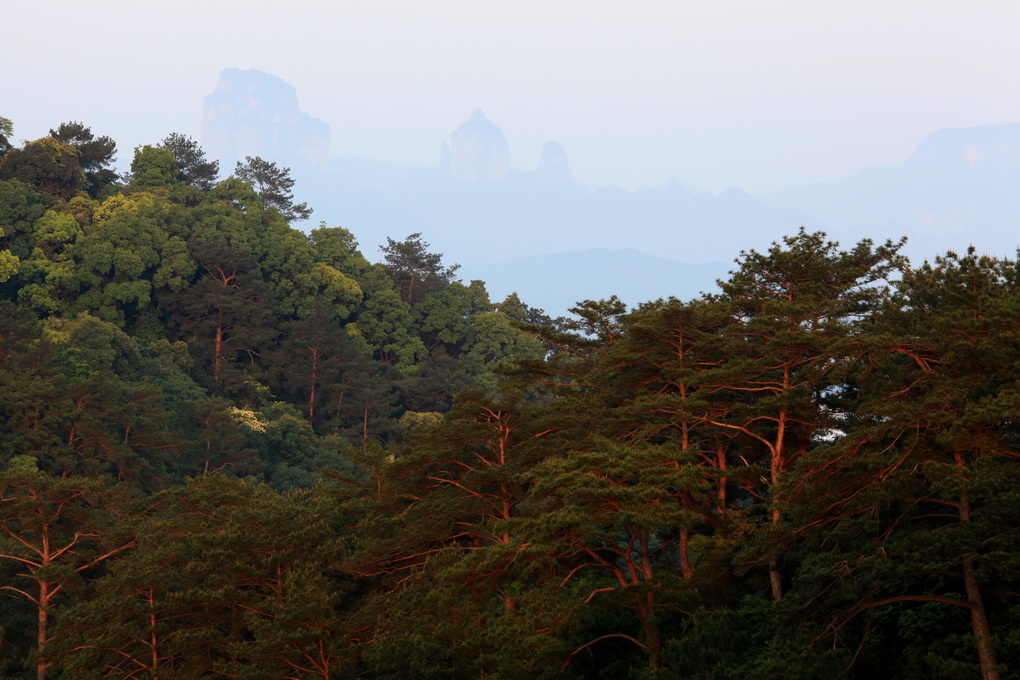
x: 477, y: 151
x: 252, y: 113
x: 554, y: 166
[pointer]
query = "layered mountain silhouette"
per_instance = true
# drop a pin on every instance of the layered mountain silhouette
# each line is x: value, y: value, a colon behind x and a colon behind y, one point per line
x: 557, y: 281
x: 960, y: 187
x: 477, y: 151
x: 251, y: 113
x: 539, y: 232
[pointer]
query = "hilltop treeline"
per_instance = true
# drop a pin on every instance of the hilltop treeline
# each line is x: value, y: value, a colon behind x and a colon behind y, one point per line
x: 229, y: 449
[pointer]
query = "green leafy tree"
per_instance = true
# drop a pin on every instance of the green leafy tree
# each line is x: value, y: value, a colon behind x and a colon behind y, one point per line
x: 73, y: 398
x: 385, y: 323
x: 32, y: 386
x: 225, y: 316
x: 443, y: 317
x: 97, y: 154
x: 334, y: 287
x: 19, y: 208
x: 337, y: 247
x: 308, y: 362
x: 415, y: 271
x: 496, y: 345
x: 10, y: 265
x: 230, y: 215
x: 288, y: 446
x: 120, y: 257
x: 273, y: 186
x: 299, y: 283
x: 49, y: 165
x: 47, y: 282
x: 435, y: 383
x: 219, y: 431
x: 363, y: 398
x: 513, y: 307
x: 119, y: 423
x: 236, y: 194
x: 6, y: 132
x: 153, y: 167
x: 194, y: 169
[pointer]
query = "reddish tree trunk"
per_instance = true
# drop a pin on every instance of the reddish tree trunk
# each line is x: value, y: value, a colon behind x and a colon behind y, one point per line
x: 684, y: 555
x: 218, y: 350
x: 978, y: 615
x: 44, y: 612
x: 364, y: 430
x: 311, y: 398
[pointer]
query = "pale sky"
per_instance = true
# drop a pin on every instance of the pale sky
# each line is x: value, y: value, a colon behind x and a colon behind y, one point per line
x: 743, y: 93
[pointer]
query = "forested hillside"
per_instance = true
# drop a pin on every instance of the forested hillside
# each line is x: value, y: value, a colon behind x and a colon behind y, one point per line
x: 233, y: 449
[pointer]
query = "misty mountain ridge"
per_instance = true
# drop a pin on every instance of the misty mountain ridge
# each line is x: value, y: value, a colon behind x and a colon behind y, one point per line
x: 958, y: 188
x: 251, y: 113
x: 597, y: 273
x: 547, y: 232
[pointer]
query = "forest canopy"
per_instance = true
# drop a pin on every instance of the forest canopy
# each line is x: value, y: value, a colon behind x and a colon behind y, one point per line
x: 230, y: 448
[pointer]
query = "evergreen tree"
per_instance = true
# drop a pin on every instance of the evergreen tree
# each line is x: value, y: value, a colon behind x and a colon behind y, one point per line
x: 796, y: 309
x: 46, y: 164
x: 915, y: 495
x: 226, y: 318
x: 153, y: 167
x: 273, y: 186
x: 242, y: 589
x: 415, y: 271
x: 6, y: 131
x: 97, y: 155
x: 56, y: 530
x: 194, y: 169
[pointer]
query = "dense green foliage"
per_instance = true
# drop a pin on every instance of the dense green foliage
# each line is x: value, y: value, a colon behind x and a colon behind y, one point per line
x: 230, y: 449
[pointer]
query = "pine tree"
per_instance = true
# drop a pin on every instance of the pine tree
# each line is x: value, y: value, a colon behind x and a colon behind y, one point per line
x: 915, y: 495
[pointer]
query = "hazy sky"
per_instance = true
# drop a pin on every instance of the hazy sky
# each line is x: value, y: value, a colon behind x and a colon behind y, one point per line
x: 729, y: 93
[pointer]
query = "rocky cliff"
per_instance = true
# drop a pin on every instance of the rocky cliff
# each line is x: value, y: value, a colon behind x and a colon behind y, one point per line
x: 252, y: 113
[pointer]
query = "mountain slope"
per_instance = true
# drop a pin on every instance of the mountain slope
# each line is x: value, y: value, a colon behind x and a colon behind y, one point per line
x: 960, y: 187
x: 556, y: 282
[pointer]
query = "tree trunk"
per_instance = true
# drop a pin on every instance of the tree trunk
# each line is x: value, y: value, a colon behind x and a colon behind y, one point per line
x: 311, y: 397
x: 684, y: 554
x: 978, y: 615
x: 153, y: 640
x: 44, y: 612
x: 778, y: 462
x: 218, y: 351
x: 720, y: 457
x: 979, y: 622
x: 653, y: 639
x: 775, y: 577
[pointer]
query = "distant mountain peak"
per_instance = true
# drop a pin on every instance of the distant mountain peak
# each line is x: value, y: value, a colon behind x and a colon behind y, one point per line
x: 975, y: 146
x: 253, y: 113
x: 477, y: 151
x: 234, y: 81
x: 553, y: 165
x: 958, y: 186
